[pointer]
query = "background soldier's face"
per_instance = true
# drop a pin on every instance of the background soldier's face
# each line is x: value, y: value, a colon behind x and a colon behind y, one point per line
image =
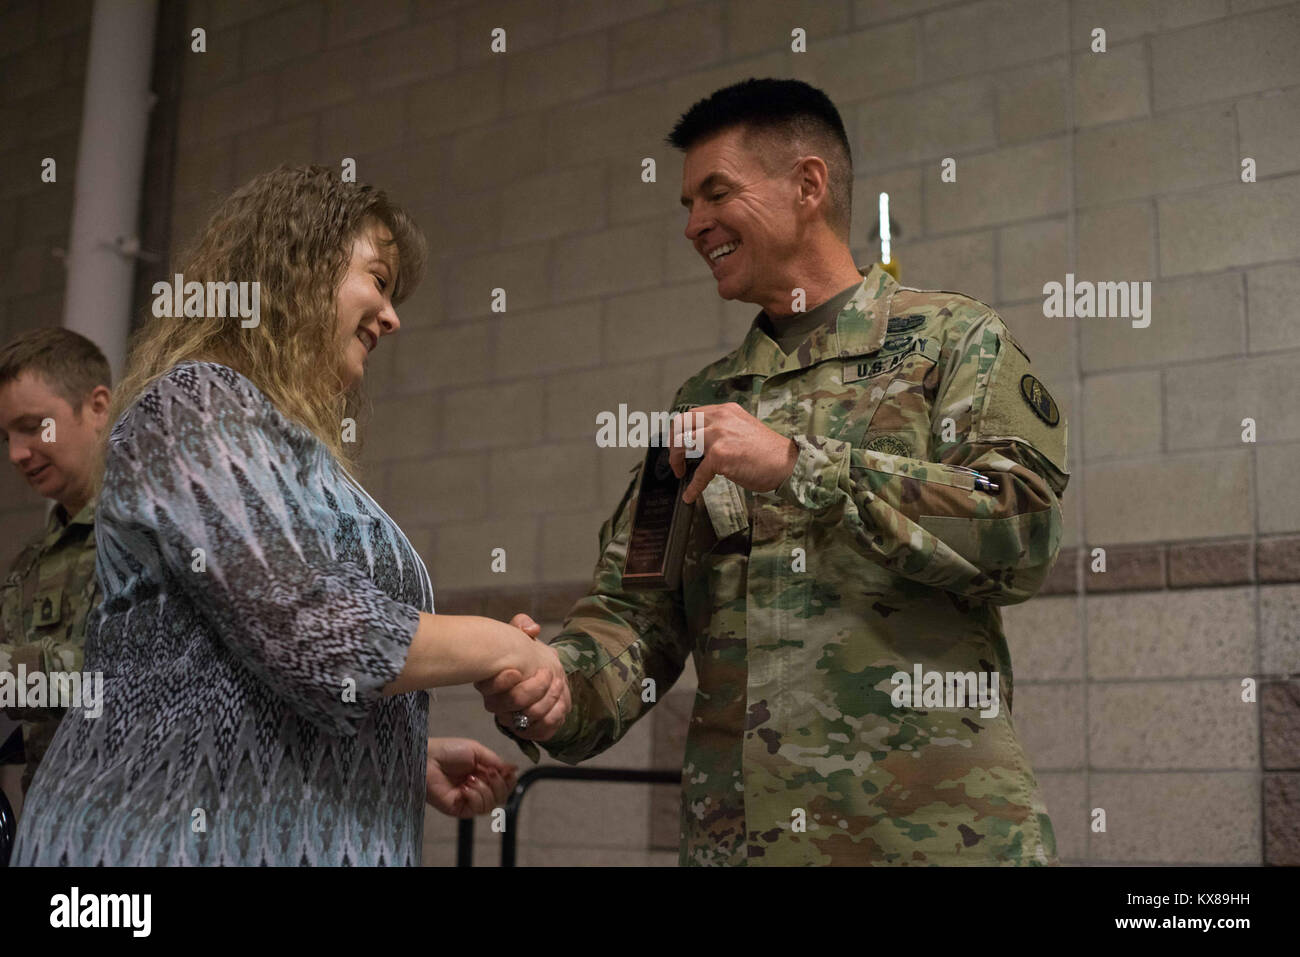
x: 31, y: 412
x: 733, y: 200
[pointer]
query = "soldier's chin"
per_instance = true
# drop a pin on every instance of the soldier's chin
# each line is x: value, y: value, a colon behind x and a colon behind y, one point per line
x: 48, y: 484
x: 728, y: 287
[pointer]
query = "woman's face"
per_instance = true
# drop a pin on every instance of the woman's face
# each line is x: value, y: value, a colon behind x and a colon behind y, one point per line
x: 365, y: 300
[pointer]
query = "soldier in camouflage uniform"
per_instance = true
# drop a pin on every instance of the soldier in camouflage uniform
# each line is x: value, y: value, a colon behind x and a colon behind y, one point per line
x: 54, y: 400
x: 45, y: 602
x: 875, y: 495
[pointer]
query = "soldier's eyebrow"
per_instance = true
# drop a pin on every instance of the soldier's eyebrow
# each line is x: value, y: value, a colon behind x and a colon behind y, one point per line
x: 20, y: 424
x: 709, y: 181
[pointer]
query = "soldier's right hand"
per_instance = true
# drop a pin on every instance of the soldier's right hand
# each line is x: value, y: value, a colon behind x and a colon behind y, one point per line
x: 543, y: 696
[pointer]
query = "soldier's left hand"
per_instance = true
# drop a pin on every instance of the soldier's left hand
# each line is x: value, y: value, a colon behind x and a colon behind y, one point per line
x: 735, y: 445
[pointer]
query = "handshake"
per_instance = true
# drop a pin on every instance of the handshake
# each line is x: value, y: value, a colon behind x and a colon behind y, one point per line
x: 464, y: 778
x: 533, y: 705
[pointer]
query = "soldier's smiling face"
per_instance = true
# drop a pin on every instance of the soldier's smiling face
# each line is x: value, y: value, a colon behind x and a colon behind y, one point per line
x: 742, y: 219
x: 50, y: 441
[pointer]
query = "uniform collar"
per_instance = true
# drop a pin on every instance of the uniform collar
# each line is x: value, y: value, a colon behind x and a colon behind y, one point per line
x: 55, y: 526
x: 859, y: 329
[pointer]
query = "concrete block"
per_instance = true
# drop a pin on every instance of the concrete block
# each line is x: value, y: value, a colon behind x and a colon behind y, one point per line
x: 1242, y: 54
x: 1029, y: 255
x: 550, y: 340
x: 1194, y: 633
x: 1017, y: 182
x: 1031, y: 101
x: 1111, y: 86
x: 1279, y: 498
x: 1122, y: 414
x: 1182, y: 817
x: 662, y: 321
x: 611, y: 261
x: 1199, y: 317
x: 1184, y: 725
x: 1209, y: 402
x: 551, y: 478
x: 286, y: 35
x: 486, y: 416
x: 552, y: 204
x: 1206, y: 495
x: 969, y: 38
x: 1272, y: 293
x: 572, y: 69
x: 666, y: 44
x: 522, y: 271
x: 1269, y: 127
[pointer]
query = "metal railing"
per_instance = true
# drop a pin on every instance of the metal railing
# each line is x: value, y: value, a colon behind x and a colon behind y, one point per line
x: 10, y: 748
x: 8, y: 829
x: 465, y: 829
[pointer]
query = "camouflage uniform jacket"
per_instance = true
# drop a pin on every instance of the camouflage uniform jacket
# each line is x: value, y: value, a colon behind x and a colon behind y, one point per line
x: 44, y: 606
x: 880, y: 553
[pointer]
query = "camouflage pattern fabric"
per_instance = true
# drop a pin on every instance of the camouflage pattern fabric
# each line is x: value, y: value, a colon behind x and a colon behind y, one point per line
x: 796, y: 751
x: 45, y: 603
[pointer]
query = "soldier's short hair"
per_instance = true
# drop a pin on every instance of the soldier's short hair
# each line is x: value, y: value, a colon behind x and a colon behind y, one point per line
x: 791, y: 118
x: 71, y: 364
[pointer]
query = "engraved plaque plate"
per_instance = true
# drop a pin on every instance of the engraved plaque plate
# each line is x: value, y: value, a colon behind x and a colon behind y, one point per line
x: 660, y: 525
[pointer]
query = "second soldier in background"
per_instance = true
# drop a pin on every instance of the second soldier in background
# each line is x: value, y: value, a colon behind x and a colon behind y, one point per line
x: 54, y: 401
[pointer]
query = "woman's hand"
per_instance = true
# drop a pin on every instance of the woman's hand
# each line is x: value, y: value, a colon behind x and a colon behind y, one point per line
x: 465, y: 778
x: 542, y: 694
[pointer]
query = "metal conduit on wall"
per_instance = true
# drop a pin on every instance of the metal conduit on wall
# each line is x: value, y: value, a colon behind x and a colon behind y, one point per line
x: 110, y: 163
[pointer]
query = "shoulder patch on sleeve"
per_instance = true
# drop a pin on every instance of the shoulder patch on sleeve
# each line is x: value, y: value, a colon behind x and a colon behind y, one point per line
x: 1017, y: 405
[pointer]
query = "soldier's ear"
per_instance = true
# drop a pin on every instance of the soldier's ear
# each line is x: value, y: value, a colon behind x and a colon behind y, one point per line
x: 98, y: 403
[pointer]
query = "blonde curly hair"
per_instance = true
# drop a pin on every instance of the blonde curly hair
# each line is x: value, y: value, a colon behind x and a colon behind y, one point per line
x: 292, y: 230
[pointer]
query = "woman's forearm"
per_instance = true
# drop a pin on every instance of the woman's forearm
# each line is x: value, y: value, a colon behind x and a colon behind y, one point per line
x: 461, y: 649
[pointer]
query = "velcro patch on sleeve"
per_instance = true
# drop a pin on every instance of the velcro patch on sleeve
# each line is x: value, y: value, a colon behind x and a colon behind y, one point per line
x: 1017, y: 405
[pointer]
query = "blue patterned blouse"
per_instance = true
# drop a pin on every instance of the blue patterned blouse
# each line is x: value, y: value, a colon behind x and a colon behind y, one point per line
x: 256, y: 601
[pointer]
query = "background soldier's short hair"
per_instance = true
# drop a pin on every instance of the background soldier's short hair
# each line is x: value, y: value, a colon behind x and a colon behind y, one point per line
x: 788, y: 118
x: 71, y: 364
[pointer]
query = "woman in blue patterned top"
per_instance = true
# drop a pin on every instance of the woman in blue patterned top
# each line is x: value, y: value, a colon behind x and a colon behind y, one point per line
x: 266, y: 629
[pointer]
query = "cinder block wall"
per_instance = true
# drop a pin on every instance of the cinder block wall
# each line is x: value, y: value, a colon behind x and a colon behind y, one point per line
x: 524, y: 167
x: 42, y: 73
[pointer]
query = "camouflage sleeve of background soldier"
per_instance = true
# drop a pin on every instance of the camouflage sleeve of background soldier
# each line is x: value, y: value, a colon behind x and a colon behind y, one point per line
x: 49, y: 653
x: 611, y: 642
x: 934, y: 521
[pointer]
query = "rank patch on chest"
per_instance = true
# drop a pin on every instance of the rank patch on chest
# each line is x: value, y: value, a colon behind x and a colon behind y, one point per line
x: 1040, y: 400
x: 47, y: 609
